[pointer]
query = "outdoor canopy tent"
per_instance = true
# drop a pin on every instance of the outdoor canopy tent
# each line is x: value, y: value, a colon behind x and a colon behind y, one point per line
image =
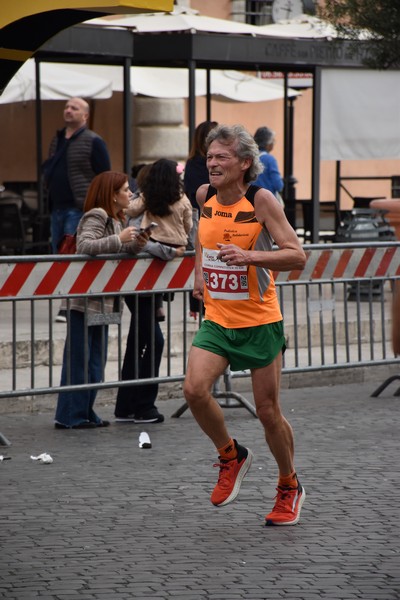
x: 180, y: 19
x: 225, y: 84
x: 162, y: 82
x: 193, y: 49
x: 306, y: 27
x: 59, y: 82
x: 25, y: 26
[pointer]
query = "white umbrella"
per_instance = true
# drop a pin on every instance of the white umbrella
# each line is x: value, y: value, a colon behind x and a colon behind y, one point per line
x: 304, y: 26
x: 164, y: 82
x: 60, y: 82
x: 240, y: 87
x: 178, y: 20
x: 57, y: 83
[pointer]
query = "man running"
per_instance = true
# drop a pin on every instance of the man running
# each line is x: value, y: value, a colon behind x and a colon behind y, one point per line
x: 243, y: 324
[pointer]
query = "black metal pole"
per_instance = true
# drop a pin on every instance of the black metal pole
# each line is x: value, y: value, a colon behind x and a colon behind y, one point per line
x: 39, y: 140
x: 127, y: 116
x: 316, y: 153
x: 285, y: 134
x: 291, y: 195
x: 337, y: 195
x: 208, y: 97
x: 290, y: 180
x: 192, y: 99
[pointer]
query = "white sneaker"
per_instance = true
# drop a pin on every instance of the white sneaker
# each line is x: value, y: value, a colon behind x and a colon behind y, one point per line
x: 61, y: 317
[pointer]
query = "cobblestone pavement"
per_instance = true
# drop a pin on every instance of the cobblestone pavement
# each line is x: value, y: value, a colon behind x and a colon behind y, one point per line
x: 109, y: 521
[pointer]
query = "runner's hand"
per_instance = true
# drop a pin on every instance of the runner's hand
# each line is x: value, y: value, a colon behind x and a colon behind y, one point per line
x: 233, y: 255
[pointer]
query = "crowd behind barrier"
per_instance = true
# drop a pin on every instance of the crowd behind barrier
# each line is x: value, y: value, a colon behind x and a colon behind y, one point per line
x: 337, y: 312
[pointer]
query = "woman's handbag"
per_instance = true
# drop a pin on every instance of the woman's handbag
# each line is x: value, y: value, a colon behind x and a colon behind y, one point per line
x: 67, y: 244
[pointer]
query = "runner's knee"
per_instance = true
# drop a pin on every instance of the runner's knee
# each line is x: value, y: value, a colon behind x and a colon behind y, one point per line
x: 193, y: 391
x: 270, y: 415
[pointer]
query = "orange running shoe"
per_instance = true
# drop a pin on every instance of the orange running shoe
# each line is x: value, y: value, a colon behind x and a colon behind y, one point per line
x: 288, y: 503
x: 231, y: 474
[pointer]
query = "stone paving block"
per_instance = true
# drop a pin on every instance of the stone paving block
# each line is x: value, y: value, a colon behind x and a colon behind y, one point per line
x: 109, y: 521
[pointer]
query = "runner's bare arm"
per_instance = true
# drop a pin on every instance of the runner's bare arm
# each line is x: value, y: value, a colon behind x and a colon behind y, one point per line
x: 198, y: 286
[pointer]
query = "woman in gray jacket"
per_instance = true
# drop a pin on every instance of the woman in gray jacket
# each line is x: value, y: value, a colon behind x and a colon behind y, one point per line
x: 100, y: 231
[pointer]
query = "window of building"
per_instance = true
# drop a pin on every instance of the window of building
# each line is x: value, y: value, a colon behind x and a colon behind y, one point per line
x: 253, y: 12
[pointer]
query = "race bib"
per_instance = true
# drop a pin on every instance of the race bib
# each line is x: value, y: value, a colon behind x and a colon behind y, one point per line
x: 222, y: 281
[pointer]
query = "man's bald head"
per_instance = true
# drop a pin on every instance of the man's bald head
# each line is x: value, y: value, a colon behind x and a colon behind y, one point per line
x: 76, y: 114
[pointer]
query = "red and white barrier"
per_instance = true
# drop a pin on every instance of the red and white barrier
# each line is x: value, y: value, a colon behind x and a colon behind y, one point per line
x: 61, y: 277
x: 95, y: 276
x: 346, y: 263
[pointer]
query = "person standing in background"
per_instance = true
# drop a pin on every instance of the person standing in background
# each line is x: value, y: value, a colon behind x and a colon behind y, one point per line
x: 100, y: 231
x: 133, y: 179
x: 195, y: 175
x: 270, y: 178
x: 196, y: 172
x: 76, y: 156
x: 161, y: 200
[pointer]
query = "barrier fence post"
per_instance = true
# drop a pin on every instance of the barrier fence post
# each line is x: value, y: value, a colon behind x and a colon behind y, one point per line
x: 384, y: 385
x: 4, y: 441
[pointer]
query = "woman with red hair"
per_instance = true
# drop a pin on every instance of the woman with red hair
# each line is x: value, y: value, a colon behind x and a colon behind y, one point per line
x: 100, y: 231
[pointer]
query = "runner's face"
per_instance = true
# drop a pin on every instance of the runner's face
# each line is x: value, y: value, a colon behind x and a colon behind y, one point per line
x: 223, y: 164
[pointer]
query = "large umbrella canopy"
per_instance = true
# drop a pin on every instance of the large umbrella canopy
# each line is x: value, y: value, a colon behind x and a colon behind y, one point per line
x: 163, y: 82
x: 306, y: 27
x: 301, y: 27
x: 25, y: 26
x: 186, y: 19
x: 181, y: 19
x: 57, y: 83
x: 240, y: 87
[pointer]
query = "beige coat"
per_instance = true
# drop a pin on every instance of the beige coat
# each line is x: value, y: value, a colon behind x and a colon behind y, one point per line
x: 98, y: 233
x: 173, y: 228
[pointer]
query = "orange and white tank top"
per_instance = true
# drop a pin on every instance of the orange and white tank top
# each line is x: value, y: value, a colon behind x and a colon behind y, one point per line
x: 235, y: 296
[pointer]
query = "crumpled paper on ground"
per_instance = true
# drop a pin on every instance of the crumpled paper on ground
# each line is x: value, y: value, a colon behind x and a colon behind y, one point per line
x: 43, y: 458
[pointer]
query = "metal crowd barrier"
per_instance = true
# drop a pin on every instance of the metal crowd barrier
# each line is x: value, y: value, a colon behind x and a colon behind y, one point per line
x: 337, y: 312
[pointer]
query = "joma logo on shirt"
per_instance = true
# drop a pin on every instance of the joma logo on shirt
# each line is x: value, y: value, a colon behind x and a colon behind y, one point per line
x: 220, y: 213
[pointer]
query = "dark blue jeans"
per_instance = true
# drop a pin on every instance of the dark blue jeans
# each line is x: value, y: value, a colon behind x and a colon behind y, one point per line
x: 76, y: 407
x: 63, y: 221
x: 144, y: 348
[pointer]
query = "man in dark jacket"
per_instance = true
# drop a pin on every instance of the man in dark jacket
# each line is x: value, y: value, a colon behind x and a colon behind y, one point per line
x: 76, y: 155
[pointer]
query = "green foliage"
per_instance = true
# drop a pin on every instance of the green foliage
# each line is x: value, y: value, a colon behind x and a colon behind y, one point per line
x: 376, y: 20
